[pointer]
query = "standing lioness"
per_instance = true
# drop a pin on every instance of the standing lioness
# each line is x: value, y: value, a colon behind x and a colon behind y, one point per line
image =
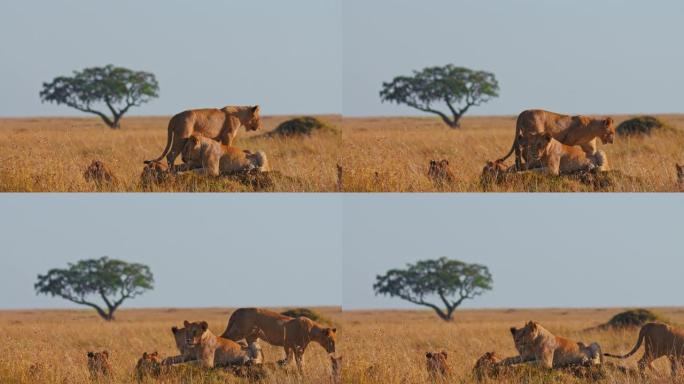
x: 294, y: 334
x: 219, y: 124
x: 569, y: 130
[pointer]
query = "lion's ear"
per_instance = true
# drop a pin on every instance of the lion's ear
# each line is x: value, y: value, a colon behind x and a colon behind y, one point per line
x: 186, y: 323
x: 204, y: 325
x: 513, y: 330
x: 144, y: 355
x: 428, y: 355
x: 608, y: 121
x: 256, y: 109
x: 90, y: 354
x: 334, y: 330
x: 444, y: 353
x: 174, y: 329
x: 105, y: 353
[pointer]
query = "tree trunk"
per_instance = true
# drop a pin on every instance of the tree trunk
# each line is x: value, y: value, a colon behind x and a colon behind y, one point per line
x: 456, y: 122
x: 116, y: 123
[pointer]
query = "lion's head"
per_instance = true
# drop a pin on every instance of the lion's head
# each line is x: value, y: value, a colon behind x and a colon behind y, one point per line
x: 148, y: 364
x: 486, y: 365
x: 194, y: 332
x: 98, y: 363
x: 437, y: 363
x: 606, y: 129
x: 191, y: 149
x: 253, y: 121
x: 524, y: 337
x: 439, y: 171
x: 328, y: 339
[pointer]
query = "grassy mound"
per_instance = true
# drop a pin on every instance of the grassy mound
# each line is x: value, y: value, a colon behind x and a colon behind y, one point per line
x: 302, y: 126
x: 531, y: 181
x: 640, y: 126
x: 306, y: 312
x: 632, y: 318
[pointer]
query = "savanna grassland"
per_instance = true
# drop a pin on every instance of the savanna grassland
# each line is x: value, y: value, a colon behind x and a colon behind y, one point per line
x: 41, y: 346
x: 388, y: 154
x: 51, y: 155
x: 390, y: 346
x: 376, y: 346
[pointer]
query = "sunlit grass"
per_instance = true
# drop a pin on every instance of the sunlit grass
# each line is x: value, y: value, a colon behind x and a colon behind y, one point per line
x: 51, y: 154
x: 392, y: 155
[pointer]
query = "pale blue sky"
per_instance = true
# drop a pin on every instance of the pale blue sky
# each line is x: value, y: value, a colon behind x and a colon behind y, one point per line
x: 284, y: 55
x: 561, y: 250
x: 570, y: 56
x: 256, y: 250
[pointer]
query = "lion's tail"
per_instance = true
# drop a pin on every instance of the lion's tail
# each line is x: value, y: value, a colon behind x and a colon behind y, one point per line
x: 515, y: 141
x: 169, y: 140
x: 642, y: 334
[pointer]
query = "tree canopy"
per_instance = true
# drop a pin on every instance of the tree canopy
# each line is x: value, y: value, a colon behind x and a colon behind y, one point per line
x: 457, y: 87
x: 451, y: 281
x: 116, y: 88
x: 113, y: 281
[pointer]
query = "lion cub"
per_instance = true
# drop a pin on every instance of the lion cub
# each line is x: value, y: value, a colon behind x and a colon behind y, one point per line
x: 558, y: 158
x: 98, y: 365
x: 440, y: 173
x: 208, y: 156
x: 437, y: 366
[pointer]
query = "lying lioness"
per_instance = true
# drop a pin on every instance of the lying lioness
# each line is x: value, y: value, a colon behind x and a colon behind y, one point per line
x: 557, y: 158
x: 539, y: 346
x: 210, y: 157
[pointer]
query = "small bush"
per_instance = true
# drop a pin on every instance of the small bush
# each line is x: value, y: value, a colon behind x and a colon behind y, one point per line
x: 306, y: 312
x: 639, y: 126
x: 302, y: 126
x: 632, y: 318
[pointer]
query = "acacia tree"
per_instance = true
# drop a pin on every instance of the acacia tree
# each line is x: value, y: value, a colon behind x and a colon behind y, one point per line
x: 457, y: 87
x: 113, y: 281
x: 451, y: 281
x: 117, y: 88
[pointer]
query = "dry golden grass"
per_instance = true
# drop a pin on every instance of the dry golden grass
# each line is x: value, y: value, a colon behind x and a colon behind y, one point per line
x: 392, y: 155
x: 389, y: 346
x: 59, y: 340
x: 51, y: 154
x: 376, y: 346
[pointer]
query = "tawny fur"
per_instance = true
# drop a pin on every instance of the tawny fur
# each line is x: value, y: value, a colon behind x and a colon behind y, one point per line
x: 659, y: 340
x: 437, y: 366
x: 99, y: 173
x: 439, y: 172
x: 98, y: 365
x: 569, y: 130
x: 149, y: 365
x: 209, y: 157
x: 301, y: 331
x: 556, y: 158
x: 293, y: 334
x: 336, y: 369
x: 487, y: 366
x: 539, y: 346
x: 197, y: 343
x: 218, y: 124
